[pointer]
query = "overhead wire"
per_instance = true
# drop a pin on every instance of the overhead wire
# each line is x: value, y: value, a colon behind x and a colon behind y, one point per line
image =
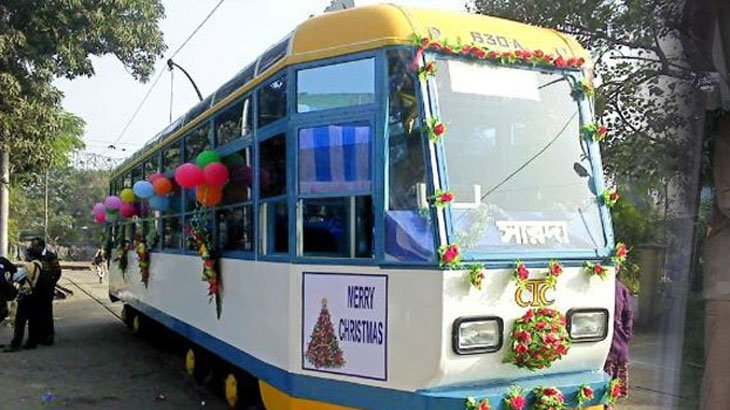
x: 159, y: 75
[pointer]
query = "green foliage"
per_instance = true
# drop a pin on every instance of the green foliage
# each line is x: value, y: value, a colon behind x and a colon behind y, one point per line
x: 44, y: 39
x: 638, y: 62
x: 71, y: 193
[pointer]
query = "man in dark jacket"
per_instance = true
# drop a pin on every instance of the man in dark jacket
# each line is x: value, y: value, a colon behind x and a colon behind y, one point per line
x: 49, y: 276
x: 7, y: 290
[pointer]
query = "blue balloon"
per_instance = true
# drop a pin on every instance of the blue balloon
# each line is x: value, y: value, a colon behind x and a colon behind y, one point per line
x: 143, y: 189
x: 159, y: 203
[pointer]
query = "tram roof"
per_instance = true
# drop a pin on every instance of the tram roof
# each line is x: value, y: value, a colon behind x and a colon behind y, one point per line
x: 361, y: 29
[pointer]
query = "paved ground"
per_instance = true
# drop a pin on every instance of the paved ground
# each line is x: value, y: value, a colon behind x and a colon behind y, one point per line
x: 96, y: 364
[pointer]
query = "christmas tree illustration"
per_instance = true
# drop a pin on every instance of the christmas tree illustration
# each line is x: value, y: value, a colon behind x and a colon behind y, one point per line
x: 323, y: 351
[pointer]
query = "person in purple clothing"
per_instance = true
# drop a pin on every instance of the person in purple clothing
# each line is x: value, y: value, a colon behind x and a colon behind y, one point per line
x: 617, y: 363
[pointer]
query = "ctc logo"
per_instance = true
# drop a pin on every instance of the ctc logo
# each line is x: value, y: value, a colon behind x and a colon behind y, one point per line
x: 534, y: 294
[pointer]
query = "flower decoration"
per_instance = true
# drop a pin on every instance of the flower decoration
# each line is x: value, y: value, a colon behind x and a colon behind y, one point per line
x: 428, y: 69
x: 143, y: 258
x: 515, y: 399
x: 538, y: 338
x: 442, y: 198
x: 613, y: 391
x: 473, y: 50
x: 585, y: 394
x: 548, y: 398
x: 436, y: 129
x: 199, y: 236
x: 476, y: 276
x: 586, y: 86
x: 596, y: 131
x: 449, y: 256
x: 473, y: 404
x: 610, y: 197
x: 520, y: 274
x: 620, y: 253
x: 595, y: 269
x: 122, y: 259
x: 555, y: 269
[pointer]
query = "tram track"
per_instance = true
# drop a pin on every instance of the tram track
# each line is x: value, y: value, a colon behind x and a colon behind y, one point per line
x: 94, y: 298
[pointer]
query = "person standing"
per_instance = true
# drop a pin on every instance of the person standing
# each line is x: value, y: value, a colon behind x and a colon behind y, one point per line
x: 27, y: 312
x: 715, y: 392
x: 617, y: 362
x: 49, y: 276
x: 7, y: 290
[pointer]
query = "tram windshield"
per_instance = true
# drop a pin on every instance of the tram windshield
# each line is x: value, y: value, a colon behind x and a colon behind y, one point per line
x: 520, y: 172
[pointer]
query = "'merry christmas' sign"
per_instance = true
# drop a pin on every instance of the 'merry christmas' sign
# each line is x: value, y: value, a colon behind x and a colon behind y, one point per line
x: 344, y: 324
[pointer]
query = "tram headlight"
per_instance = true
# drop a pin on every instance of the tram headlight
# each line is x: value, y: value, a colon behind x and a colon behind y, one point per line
x: 471, y: 335
x: 587, y: 325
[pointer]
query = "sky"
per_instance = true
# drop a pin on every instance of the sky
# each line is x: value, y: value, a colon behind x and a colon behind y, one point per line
x: 235, y: 35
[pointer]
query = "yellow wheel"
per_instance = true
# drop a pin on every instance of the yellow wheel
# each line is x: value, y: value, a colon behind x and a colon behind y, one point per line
x: 231, y: 390
x: 125, y: 315
x: 136, y: 325
x: 190, y: 362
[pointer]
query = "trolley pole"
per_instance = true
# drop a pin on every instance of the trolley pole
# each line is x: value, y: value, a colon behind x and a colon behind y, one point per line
x: 4, y: 201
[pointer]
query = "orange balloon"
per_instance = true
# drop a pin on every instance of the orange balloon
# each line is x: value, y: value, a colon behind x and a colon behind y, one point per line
x: 209, y: 195
x: 162, y: 186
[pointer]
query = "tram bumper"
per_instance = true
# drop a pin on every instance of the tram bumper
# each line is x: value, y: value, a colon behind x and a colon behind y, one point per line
x: 454, y: 397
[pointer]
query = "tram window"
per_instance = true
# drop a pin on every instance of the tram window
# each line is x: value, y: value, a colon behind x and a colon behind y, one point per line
x: 336, y: 85
x: 408, y: 229
x: 171, y: 157
x: 172, y: 232
x: 238, y: 189
x: 274, y: 227
x: 334, y: 159
x: 272, y: 166
x: 136, y: 175
x: 272, y: 102
x: 152, y: 165
x: 235, y: 228
x: 152, y: 233
x: 337, y: 227
x: 234, y: 122
x: 127, y: 180
x: 196, y: 142
x: 175, y: 199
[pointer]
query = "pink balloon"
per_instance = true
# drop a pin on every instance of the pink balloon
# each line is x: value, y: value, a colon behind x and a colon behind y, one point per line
x: 153, y: 177
x: 127, y: 210
x: 113, y: 202
x: 101, y: 218
x: 99, y: 208
x: 216, y: 174
x: 189, y: 175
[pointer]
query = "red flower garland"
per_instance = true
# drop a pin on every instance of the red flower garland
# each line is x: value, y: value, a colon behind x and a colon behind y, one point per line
x: 473, y: 50
x: 620, y: 253
x: 538, y: 338
x: 585, y: 394
x: 472, y: 404
x: 595, y: 269
x: 596, y: 131
x: 476, y: 276
x: 449, y: 256
x: 199, y: 236
x: 610, y: 197
x: 442, y: 198
x: 555, y: 269
x: 520, y: 274
x: 143, y: 259
x: 613, y: 391
x: 515, y: 399
x: 436, y: 129
x: 548, y: 398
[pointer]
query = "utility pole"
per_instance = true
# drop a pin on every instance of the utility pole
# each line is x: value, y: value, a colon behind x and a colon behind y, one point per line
x: 4, y: 201
x: 45, y: 216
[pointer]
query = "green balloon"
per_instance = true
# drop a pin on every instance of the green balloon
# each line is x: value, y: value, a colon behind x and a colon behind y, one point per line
x: 206, y: 158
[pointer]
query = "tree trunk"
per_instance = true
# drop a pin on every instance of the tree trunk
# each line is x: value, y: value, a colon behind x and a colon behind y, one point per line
x: 4, y: 201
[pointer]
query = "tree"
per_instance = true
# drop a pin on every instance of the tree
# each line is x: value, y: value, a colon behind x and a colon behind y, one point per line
x: 645, y: 82
x: 44, y: 39
x: 323, y: 351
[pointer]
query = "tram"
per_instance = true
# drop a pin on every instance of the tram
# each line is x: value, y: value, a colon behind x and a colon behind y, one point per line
x: 415, y: 196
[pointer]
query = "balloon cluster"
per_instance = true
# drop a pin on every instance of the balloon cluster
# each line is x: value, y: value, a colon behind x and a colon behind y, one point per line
x: 207, y: 176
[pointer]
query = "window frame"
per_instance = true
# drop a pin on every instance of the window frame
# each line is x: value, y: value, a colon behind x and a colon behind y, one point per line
x: 334, y: 110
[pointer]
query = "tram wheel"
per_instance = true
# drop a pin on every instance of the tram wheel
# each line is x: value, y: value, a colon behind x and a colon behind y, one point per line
x: 231, y: 390
x: 136, y: 324
x: 197, y: 365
